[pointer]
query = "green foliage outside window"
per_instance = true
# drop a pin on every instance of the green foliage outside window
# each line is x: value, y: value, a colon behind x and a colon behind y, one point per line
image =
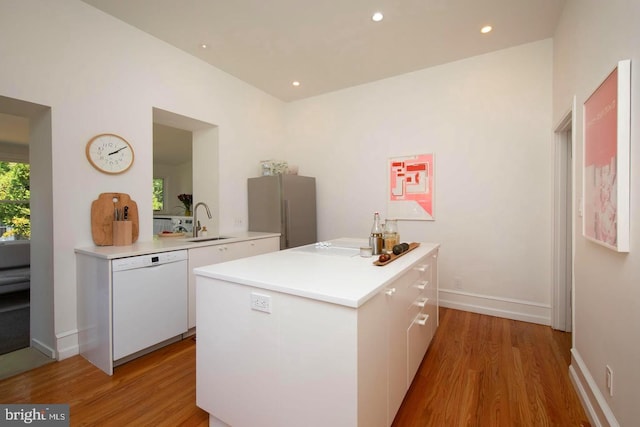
x: 158, y: 194
x: 15, y: 212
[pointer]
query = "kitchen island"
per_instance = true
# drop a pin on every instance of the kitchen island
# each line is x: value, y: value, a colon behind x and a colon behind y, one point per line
x: 313, y: 336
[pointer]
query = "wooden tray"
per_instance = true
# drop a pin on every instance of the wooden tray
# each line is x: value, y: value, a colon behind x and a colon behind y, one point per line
x: 102, y: 217
x: 171, y: 234
x: 394, y: 257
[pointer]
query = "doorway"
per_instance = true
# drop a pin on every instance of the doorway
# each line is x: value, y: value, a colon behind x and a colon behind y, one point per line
x: 37, y: 119
x: 564, y: 200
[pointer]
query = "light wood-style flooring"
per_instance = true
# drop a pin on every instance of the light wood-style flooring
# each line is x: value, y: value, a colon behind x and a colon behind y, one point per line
x: 479, y: 371
x: 158, y: 389
x: 488, y: 371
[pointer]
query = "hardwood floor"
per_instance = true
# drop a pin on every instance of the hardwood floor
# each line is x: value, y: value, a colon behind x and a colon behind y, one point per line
x: 479, y: 371
x: 158, y: 389
x: 487, y: 371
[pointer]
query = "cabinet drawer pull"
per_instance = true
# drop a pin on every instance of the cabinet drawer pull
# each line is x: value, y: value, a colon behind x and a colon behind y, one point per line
x: 423, y: 268
x: 422, y: 320
x: 422, y: 285
x: 390, y: 291
x: 422, y: 302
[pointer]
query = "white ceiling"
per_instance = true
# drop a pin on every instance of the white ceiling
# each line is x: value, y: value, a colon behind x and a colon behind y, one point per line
x: 333, y: 44
x: 327, y: 45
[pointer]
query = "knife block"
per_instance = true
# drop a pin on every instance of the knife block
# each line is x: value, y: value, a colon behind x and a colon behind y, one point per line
x: 122, y: 233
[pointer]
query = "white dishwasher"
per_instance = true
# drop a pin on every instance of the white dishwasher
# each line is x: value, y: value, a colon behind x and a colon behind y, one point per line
x: 149, y: 300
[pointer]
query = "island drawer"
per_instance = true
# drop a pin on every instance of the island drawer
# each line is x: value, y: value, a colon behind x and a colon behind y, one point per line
x: 419, y: 336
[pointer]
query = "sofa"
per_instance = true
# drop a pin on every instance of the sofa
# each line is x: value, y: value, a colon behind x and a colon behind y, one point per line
x: 15, y: 271
x: 15, y: 295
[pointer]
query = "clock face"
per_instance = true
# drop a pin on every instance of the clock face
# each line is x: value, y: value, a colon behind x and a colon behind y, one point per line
x: 110, y: 153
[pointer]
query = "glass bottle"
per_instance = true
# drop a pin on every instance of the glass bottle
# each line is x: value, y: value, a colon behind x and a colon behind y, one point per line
x: 390, y: 235
x: 375, y: 240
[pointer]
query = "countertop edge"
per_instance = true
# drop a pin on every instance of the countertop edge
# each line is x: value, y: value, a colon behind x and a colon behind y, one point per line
x: 324, y: 297
x: 166, y: 244
x: 282, y: 289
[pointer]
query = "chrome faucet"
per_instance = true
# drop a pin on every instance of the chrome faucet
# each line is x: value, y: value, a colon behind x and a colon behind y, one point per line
x: 196, y: 223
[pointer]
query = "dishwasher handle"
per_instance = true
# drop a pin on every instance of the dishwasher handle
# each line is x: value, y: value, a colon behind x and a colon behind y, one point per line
x: 148, y: 260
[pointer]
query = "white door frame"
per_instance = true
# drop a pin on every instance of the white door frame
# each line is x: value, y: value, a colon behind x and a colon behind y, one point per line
x: 564, y: 197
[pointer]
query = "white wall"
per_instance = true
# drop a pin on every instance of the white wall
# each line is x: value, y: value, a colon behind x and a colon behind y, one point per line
x: 100, y: 75
x: 591, y: 38
x: 487, y: 120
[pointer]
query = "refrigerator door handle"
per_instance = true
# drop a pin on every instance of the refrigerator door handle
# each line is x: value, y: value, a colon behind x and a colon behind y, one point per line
x: 286, y: 222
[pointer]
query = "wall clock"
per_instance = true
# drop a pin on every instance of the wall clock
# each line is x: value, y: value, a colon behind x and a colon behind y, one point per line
x: 110, y: 153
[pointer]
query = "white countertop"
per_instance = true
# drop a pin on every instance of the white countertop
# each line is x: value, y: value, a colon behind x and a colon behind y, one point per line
x: 336, y: 274
x: 164, y: 244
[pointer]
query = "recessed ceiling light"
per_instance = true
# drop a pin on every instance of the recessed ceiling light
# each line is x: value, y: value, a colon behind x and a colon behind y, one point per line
x: 204, y: 45
x: 377, y: 17
x: 296, y: 83
x: 486, y: 29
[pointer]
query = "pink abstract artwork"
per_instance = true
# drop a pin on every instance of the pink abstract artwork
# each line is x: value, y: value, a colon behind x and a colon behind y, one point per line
x: 411, y: 187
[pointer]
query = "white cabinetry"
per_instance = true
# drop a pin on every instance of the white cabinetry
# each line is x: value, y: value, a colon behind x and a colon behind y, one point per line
x: 103, y: 316
x: 207, y: 255
x: 312, y: 362
x: 423, y: 317
x: 399, y: 297
x: 412, y: 313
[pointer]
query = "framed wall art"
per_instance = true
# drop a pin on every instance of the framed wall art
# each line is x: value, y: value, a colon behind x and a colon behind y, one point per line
x: 606, y: 164
x: 411, y: 187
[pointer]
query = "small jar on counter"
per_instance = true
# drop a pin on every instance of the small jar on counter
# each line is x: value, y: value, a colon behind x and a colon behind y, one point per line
x: 390, y: 235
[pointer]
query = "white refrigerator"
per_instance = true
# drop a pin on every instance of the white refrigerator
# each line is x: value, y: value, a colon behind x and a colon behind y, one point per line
x: 284, y: 204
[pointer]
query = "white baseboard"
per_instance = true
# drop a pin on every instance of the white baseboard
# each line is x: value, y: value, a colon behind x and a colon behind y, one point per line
x: 593, y: 401
x: 508, y: 308
x: 67, y: 344
x: 43, y: 348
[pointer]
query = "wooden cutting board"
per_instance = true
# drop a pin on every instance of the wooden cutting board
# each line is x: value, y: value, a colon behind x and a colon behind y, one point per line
x: 394, y: 257
x: 102, y: 217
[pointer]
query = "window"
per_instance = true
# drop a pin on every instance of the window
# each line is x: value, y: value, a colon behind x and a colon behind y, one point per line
x: 158, y: 194
x: 15, y: 213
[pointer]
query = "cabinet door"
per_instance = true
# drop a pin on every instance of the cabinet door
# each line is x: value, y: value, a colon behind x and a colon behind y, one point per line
x: 263, y: 246
x: 214, y: 254
x: 397, y: 356
x: 237, y: 250
x: 373, y: 363
x: 400, y: 296
x: 418, y: 337
x: 199, y: 257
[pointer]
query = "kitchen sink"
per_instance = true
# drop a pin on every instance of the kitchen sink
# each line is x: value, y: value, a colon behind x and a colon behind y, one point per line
x: 205, y: 239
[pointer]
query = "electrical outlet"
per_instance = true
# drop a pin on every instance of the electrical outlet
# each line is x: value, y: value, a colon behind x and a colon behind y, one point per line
x: 260, y: 302
x: 609, y: 375
x: 457, y: 282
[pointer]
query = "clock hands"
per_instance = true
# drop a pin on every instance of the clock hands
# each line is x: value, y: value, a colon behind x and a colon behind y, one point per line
x: 118, y: 150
